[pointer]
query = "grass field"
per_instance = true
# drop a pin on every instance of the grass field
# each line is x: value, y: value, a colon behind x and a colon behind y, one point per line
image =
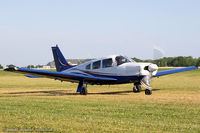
x: 45, y: 104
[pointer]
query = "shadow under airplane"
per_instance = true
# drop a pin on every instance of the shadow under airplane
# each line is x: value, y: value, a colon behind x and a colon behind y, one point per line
x: 63, y: 92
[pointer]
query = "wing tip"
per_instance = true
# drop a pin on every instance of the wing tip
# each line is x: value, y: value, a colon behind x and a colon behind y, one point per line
x: 11, y: 69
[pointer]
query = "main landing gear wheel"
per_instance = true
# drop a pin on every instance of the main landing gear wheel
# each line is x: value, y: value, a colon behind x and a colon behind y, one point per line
x: 137, y: 88
x: 148, y: 92
x: 84, y: 91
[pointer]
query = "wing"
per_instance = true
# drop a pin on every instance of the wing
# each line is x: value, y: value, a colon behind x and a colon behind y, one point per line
x: 58, y: 75
x: 162, y: 73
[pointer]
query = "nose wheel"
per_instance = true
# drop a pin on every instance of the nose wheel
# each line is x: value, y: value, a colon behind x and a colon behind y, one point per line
x: 148, y: 92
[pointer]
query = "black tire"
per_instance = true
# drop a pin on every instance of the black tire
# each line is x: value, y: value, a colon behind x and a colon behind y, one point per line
x: 148, y: 92
x: 137, y: 88
x: 84, y: 91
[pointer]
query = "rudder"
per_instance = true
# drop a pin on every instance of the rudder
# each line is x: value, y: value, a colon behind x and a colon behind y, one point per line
x: 60, y: 61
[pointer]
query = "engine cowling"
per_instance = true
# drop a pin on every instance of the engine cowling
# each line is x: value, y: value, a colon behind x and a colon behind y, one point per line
x: 152, y: 67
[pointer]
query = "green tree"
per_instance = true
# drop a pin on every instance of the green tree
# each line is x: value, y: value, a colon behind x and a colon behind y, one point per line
x: 198, y: 62
x: 1, y: 67
x: 30, y: 66
x: 180, y: 61
x: 38, y: 66
x: 11, y: 65
x: 137, y: 60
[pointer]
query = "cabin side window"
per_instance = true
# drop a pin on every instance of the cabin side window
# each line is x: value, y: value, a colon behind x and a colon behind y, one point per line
x: 96, y: 65
x: 121, y: 60
x: 107, y: 63
x: 88, y: 66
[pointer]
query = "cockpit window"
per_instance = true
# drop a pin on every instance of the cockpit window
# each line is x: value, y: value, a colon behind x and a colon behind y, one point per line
x: 88, y: 66
x: 107, y: 63
x: 121, y: 60
x: 96, y: 65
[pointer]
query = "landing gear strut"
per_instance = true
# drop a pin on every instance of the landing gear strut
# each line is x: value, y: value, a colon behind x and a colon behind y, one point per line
x: 82, y: 88
x: 137, y: 88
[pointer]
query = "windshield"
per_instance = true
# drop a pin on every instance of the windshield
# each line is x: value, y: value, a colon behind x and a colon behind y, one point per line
x: 121, y: 60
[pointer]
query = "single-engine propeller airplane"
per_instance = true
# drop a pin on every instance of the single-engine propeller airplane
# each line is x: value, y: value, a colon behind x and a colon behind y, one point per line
x: 116, y: 69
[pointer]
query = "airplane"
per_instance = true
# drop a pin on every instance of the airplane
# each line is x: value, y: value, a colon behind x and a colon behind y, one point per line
x: 115, y: 69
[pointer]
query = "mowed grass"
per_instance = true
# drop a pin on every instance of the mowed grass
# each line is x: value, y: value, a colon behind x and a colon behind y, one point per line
x: 44, y: 104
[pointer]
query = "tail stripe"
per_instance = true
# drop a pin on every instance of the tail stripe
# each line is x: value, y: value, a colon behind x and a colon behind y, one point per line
x: 60, y: 61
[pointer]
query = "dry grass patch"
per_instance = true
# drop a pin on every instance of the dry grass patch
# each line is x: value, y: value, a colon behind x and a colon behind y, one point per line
x: 48, y: 104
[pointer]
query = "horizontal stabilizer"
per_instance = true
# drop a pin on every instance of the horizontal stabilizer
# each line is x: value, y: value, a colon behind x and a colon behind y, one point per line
x: 32, y: 76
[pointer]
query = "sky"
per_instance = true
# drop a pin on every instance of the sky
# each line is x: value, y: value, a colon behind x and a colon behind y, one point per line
x: 96, y: 28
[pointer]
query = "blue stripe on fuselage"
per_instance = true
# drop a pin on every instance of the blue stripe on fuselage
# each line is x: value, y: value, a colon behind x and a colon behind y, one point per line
x: 120, y: 79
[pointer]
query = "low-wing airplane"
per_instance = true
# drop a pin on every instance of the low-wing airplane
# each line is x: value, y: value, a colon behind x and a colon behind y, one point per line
x: 116, y: 69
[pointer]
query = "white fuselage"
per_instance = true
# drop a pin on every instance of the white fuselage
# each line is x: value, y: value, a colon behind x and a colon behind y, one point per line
x: 127, y: 68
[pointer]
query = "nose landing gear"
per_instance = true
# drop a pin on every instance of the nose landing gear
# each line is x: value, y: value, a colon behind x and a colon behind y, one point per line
x: 137, y: 88
x: 148, y: 92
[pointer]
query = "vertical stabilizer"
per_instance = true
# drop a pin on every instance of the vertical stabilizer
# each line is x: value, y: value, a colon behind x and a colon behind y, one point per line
x: 60, y: 61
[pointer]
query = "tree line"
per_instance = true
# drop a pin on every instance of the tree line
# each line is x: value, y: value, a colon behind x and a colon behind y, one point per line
x: 180, y: 61
x: 29, y: 66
